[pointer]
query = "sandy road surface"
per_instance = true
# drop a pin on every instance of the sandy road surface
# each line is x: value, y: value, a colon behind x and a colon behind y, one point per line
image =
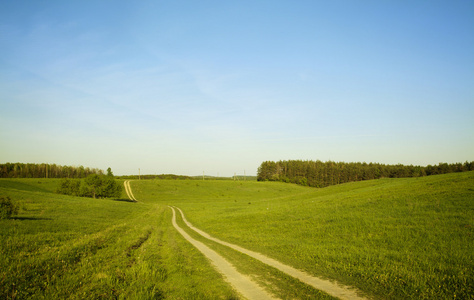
x: 241, y: 283
x: 128, y: 190
x: 332, y: 288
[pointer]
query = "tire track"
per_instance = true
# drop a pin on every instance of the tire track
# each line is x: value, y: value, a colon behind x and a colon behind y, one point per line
x: 128, y: 190
x: 331, y: 288
x: 241, y: 283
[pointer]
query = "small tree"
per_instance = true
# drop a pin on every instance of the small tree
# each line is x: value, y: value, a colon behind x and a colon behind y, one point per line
x: 7, y: 207
x: 100, y: 186
x: 110, y: 187
x: 69, y: 187
x: 109, y: 172
x: 92, y: 186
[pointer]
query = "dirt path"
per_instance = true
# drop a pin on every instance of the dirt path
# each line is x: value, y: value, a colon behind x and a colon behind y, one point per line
x: 332, y: 288
x: 241, y: 283
x: 128, y: 190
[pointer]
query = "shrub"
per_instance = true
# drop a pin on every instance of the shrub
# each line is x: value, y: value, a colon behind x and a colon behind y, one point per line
x: 111, y: 188
x: 7, y: 207
x: 93, y: 186
x: 69, y: 187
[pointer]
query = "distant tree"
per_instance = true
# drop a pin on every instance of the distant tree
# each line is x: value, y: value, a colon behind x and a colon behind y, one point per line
x: 94, y: 186
x: 20, y: 170
x: 69, y: 187
x: 266, y: 171
x: 109, y: 172
x: 81, y: 172
x: 468, y: 166
x: 4, y: 171
x: 322, y: 174
x: 110, y: 187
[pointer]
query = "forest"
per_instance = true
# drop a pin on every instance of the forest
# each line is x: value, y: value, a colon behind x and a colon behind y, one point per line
x: 322, y: 174
x: 21, y: 170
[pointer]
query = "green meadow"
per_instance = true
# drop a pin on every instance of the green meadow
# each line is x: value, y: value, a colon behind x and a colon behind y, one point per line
x: 408, y: 238
x: 82, y: 248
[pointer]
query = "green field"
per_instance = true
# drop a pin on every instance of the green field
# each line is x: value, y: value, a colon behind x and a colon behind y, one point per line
x: 390, y: 238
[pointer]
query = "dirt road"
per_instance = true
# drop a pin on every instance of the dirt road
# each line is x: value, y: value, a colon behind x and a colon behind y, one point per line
x: 241, y: 283
x: 128, y: 190
x: 332, y: 288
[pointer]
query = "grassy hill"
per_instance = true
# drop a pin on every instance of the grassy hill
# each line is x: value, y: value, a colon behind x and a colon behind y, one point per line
x: 391, y: 238
x: 62, y: 247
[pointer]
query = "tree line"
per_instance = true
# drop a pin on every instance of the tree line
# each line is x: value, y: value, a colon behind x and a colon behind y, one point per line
x: 322, y: 174
x: 21, y: 170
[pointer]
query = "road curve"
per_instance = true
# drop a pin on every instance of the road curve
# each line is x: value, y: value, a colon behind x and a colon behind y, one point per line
x: 128, y: 190
x: 333, y: 289
x: 241, y: 283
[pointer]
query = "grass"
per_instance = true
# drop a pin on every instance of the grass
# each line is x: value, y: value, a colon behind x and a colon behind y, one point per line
x: 279, y: 284
x: 68, y: 247
x: 391, y: 238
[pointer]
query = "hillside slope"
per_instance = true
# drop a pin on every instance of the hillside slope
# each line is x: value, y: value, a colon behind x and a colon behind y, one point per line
x: 393, y: 238
x: 406, y: 238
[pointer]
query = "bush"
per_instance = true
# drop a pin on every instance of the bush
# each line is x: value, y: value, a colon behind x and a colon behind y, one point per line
x: 94, y: 186
x: 7, y: 208
x: 69, y: 187
x: 111, y: 188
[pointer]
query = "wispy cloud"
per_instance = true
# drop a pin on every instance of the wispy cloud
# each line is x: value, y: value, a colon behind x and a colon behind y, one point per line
x: 162, y: 85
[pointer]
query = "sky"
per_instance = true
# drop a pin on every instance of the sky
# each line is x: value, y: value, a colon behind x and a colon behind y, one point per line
x: 218, y: 87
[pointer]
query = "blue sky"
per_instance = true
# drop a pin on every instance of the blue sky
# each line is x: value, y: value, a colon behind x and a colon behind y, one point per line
x: 187, y: 87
